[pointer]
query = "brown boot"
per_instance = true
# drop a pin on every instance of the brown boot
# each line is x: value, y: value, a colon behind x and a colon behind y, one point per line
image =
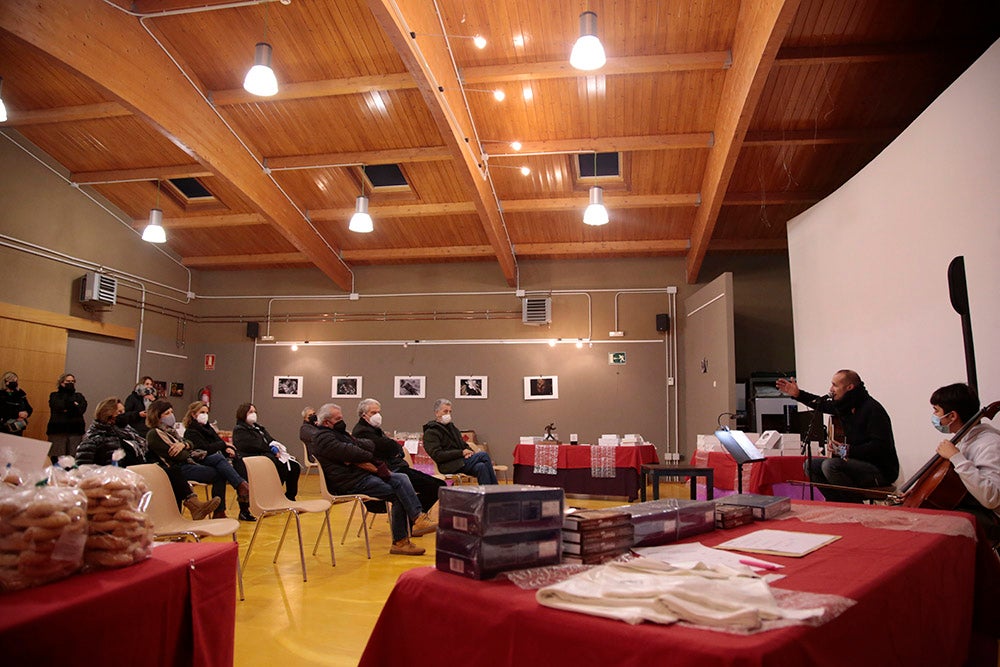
x: 423, y: 525
x: 405, y: 547
x: 199, y: 510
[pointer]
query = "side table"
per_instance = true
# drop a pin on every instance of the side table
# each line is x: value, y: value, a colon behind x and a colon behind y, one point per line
x: 694, y: 472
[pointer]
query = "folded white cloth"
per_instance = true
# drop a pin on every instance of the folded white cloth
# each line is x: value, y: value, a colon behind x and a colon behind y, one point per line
x: 647, y: 590
x: 282, y: 453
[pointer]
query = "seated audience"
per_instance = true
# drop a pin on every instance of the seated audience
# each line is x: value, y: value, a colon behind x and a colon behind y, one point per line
x: 369, y: 427
x: 109, y: 433
x: 203, y: 436
x: 14, y: 406
x: 252, y: 439
x: 137, y: 402
x: 66, y: 424
x: 444, y: 443
x: 307, y: 431
x: 195, y: 465
x: 350, y: 467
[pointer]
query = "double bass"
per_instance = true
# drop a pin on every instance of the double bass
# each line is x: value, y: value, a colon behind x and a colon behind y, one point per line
x: 936, y: 485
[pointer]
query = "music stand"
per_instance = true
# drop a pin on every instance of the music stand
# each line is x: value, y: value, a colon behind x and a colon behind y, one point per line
x: 741, y: 449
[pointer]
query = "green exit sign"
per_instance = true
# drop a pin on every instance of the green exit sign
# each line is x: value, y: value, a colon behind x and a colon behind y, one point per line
x: 616, y: 358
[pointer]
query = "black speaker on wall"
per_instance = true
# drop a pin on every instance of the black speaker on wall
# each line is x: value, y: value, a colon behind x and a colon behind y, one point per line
x: 663, y: 322
x: 253, y: 329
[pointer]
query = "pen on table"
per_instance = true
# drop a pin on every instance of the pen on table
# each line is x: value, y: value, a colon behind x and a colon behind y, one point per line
x: 757, y: 563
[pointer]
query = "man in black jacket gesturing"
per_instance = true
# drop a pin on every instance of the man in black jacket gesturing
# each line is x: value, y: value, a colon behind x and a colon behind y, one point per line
x: 867, y: 457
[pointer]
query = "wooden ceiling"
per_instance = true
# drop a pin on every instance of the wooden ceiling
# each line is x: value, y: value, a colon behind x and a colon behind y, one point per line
x: 729, y: 117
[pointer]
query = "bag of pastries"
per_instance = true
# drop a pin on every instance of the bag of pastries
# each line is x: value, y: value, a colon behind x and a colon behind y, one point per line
x: 119, y: 530
x: 43, y: 530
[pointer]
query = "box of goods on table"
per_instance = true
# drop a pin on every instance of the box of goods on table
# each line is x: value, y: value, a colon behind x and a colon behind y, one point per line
x: 663, y: 521
x: 596, y: 536
x: 485, y: 530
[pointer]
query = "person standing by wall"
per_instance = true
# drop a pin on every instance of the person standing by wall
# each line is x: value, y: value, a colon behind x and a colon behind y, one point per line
x: 66, y: 422
x: 14, y: 406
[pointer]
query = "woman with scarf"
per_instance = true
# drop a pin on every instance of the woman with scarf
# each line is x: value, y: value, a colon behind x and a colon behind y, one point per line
x: 66, y: 424
x: 14, y: 406
x: 252, y: 439
x: 202, y: 435
x: 137, y: 402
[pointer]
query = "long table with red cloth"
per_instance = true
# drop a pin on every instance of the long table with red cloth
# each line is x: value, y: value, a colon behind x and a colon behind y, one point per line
x: 914, y: 593
x: 176, y: 608
x: 573, y: 470
x: 761, y: 477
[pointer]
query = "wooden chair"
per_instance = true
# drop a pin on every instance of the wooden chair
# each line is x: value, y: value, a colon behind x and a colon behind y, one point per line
x: 168, y: 522
x: 357, y: 500
x: 310, y: 462
x: 267, y: 499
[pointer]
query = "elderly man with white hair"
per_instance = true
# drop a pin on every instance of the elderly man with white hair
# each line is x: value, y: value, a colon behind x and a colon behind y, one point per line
x: 350, y: 466
x: 369, y: 427
x: 444, y: 443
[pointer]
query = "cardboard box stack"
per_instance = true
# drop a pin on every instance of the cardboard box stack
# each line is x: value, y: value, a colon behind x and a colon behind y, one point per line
x: 485, y: 530
x: 731, y: 516
x: 662, y: 521
x: 763, y: 507
x: 596, y: 536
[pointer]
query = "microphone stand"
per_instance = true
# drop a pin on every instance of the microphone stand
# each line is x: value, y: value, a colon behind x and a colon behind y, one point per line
x: 815, y: 426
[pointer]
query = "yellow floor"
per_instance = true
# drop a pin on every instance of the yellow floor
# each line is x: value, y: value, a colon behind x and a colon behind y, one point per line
x: 326, y: 620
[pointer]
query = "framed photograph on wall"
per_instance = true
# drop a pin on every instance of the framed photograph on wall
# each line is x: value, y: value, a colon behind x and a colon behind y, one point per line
x: 471, y: 386
x: 161, y: 388
x: 177, y: 389
x: 287, y: 386
x: 409, y: 386
x: 346, y: 386
x: 540, y: 387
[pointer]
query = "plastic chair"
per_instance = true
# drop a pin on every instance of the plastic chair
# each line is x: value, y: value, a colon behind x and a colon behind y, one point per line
x: 267, y: 499
x: 170, y: 524
x: 357, y: 500
x: 310, y: 461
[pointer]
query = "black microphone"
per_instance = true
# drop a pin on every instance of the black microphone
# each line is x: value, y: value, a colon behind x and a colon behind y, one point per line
x: 821, y: 400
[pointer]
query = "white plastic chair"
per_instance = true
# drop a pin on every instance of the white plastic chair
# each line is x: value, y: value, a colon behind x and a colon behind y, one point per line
x: 310, y: 461
x: 267, y: 499
x: 358, y: 500
x: 170, y: 524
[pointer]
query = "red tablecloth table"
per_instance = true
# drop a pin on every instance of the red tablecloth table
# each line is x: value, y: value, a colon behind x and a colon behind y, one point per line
x: 573, y: 470
x: 913, y: 590
x: 177, y: 608
x: 760, y: 477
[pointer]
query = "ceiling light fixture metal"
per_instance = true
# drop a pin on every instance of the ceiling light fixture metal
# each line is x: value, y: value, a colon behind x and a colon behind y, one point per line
x: 3, y: 109
x: 361, y: 221
x: 588, y: 52
x: 596, y: 215
x: 260, y: 80
x: 154, y: 232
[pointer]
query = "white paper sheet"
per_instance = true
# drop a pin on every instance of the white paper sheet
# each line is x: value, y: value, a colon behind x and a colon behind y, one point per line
x: 780, y: 542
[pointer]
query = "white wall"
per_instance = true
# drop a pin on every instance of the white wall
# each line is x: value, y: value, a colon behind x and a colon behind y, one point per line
x: 869, y: 263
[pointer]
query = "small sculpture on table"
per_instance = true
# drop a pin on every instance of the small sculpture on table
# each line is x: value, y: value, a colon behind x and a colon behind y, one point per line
x: 549, y: 437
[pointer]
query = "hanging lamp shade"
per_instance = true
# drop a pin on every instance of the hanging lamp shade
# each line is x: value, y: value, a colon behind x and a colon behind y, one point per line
x: 361, y: 222
x: 596, y: 214
x: 260, y: 80
x: 154, y: 233
x: 3, y: 109
x: 588, y: 52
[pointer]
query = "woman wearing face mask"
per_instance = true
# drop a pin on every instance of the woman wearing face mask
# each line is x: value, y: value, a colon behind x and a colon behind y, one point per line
x: 109, y: 433
x: 14, y: 406
x: 137, y: 402
x: 66, y: 425
x: 195, y: 465
x: 252, y: 439
x: 443, y: 442
x: 203, y: 436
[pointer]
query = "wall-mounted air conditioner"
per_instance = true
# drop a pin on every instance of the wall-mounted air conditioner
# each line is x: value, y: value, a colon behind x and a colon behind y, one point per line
x: 536, y: 311
x: 98, y: 290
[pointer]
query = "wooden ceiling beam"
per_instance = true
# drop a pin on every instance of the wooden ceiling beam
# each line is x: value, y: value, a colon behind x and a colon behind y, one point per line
x: 748, y: 245
x: 430, y: 64
x: 561, y: 69
x: 418, y: 254
x: 72, y: 114
x: 207, y: 221
x: 820, y: 137
x: 610, y: 201
x: 73, y: 33
x: 257, y: 259
x: 648, y: 247
x: 770, y: 198
x: 324, y: 88
x: 760, y: 28
x: 396, y: 211
x: 852, y: 54
x: 141, y: 174
x: 657, y: 142
x: 388, y: 156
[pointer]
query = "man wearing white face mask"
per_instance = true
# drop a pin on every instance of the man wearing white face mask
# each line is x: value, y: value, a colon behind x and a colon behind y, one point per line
x: 369, y: 427
x: 444, y: 443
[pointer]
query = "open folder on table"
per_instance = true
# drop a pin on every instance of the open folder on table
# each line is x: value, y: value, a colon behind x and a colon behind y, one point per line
x: 779, y: 542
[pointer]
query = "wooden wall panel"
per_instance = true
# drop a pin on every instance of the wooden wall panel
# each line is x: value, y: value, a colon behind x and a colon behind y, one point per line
x: 37, y: 353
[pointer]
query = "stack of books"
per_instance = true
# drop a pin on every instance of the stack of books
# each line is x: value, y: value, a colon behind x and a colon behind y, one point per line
x: 485, y: 530
x: 731, y: 516
x: 763, y: 507
x: 596, y: 536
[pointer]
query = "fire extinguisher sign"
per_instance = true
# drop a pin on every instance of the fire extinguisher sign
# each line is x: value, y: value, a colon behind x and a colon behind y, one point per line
x: 209, y: 362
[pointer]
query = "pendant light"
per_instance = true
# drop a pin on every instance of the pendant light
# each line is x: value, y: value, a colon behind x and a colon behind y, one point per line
x: 588, y: 52
x: 260, y: 79
x: 361, y: 221
x: 3, y: 109
x: 154, y: 233
x: 596, y: 214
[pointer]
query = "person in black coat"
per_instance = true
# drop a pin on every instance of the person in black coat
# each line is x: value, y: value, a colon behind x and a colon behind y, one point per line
x: 203, y: 435
x: 136, y: 404
x: 444, y: 443
x: 109, y: 433
x: 66, y: 425
x: 14, y: 406
x: 252, y: 439
x: 867, y: 457
x: 369, y: 427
